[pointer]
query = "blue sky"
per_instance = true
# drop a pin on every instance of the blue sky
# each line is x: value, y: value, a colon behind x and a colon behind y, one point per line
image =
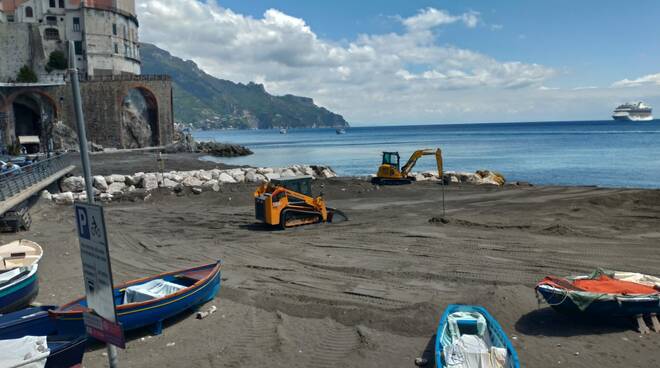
x: 463, y: 52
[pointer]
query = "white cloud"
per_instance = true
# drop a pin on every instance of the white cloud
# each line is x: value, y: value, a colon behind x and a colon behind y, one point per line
x: 430, y: 18
x: 651, y: 79
x: 407, y: 76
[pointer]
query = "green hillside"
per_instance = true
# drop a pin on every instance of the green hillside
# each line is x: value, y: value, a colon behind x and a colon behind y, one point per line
x: 209, y: 103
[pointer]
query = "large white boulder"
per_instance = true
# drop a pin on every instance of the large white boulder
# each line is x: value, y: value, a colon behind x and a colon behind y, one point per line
x: 309, y: 171
x: 328, y: 173
x: 116, y: 188
x: 135, y: 180
x: 212, y: 184
x: 287, y: 173
x: 226, y: 178
x: 265, y: 170
x: 73, y: 184
x: 100, y: 183
x: 150, y: 182
x: 115, y: 178
x: 204, y: 175
x: 169, y: 183
x: 191, y: 181
x: 271, y: 176
x: 63, y: 198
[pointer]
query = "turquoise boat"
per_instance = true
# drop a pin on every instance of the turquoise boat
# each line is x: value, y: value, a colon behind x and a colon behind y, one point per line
x: 147, y: 302
x: 468, y: 336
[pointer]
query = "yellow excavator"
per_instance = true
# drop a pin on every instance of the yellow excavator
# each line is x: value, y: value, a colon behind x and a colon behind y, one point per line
x: 289, y: 202
x: 390, y: 174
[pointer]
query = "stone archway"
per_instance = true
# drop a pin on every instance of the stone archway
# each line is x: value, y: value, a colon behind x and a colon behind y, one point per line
x: 30, y: 113
x: 140, y: 125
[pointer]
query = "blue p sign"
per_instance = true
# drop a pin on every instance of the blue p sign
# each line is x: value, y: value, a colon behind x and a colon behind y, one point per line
x: 83, y: 224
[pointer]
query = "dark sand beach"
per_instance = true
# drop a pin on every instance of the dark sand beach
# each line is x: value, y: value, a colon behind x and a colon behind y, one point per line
x: 369, y: 292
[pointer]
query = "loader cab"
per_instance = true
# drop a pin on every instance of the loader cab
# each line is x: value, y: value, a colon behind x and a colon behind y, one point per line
x: 300, y: 184
x: 391, y: 158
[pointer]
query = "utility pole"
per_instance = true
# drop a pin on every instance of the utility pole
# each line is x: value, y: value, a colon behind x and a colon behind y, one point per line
x: 84, y: 154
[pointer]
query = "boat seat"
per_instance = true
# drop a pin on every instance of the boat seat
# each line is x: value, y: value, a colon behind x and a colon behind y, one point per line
x: 153, y: 289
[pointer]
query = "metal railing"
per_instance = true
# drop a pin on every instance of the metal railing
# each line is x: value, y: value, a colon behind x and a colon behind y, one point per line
x: 12, y: 183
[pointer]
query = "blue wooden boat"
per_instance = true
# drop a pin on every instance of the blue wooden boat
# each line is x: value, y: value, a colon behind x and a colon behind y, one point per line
x: 49, y: 351
x: 148, y: 301
x: 603, y: 293
x: 469, y: 334
x: 33, y: 321
x: 19, y: 278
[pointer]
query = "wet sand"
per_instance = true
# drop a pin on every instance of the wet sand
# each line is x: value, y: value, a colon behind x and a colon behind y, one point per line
x: 369, y: 292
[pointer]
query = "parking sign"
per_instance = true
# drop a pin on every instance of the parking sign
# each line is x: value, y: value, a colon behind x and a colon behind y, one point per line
x: 95, y: 259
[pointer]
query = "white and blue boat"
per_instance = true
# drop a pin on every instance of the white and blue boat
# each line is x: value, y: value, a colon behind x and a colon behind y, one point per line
x: 19, y: 279
x: 469, y: 337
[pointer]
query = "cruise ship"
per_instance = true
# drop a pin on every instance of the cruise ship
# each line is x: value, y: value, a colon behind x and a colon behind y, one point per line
x: 635, y: 111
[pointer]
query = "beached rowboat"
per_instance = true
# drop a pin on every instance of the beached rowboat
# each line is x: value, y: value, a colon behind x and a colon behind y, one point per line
x: 148, y: 301
x: 19, y: 281
x: 468, y: 336
x: 603, y: 294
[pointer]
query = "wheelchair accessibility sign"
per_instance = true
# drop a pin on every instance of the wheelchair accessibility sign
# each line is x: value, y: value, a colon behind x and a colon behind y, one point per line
x: 95, y: 259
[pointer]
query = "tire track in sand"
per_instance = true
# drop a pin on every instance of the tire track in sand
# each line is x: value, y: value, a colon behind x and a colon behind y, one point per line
x: 338, y: 342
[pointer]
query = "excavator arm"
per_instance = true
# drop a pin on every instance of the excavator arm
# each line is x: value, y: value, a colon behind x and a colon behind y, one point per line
x: 407, y: 168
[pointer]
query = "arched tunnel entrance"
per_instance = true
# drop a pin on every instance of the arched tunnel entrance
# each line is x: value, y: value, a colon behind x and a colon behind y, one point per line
x: 140, y: 119
x: 33, y: 115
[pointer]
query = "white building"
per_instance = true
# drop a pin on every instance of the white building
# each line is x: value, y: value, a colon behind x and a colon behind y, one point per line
x: 105, y: 34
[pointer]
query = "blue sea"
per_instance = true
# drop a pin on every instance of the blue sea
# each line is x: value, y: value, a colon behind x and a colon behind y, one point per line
x: 601, y: 153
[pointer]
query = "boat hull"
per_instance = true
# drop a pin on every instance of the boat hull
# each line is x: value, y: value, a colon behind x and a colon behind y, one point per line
x: 19, y: 293
x: 623, y: 307
x: 632, y: 118
x: 66, y: 352
x: 33, y: 321
x: 494, y: 329
x: 69, y: 321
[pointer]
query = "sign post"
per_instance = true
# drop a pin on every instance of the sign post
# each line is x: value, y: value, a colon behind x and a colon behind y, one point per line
x: 100, y: 324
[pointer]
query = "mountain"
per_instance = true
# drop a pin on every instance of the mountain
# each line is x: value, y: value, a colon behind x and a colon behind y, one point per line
x: 207, y: 102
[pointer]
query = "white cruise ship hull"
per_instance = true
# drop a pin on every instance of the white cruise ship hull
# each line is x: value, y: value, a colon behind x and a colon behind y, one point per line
x: 628, y: 117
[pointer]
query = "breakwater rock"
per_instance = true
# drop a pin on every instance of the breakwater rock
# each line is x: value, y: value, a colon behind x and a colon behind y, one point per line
x: 480, y: 177
x: 211, y: 148
x: 138, y: 185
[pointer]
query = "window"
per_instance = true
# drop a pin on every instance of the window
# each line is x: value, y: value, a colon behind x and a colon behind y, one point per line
x: 51, y: 21
x: 76, y: 24
x: 125, y: 49
x: 114, y: 29
x: 77, y: 45
x: 123, y: 29
x: 51, y: 34
x: 116, y: 49
x: 61, y: 3
x: 10, y: 18
x: 29, y: 13
x: 51, y: 3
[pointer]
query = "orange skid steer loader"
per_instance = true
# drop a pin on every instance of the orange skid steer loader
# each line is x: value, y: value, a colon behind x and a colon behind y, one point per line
x: 289, y: 202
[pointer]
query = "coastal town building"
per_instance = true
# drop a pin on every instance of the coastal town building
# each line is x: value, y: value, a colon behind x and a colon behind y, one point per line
x: 123, y: 108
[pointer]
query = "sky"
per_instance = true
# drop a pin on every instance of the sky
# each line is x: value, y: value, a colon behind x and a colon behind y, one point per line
x: 420, y: 62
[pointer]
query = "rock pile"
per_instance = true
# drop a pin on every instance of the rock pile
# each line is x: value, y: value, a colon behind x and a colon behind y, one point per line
x: 110, y: 187
x: 480, y: 177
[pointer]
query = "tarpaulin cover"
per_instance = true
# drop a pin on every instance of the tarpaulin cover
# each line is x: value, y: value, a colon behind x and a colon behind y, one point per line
x: 605, y: 285
x: 153, y: 289
x: 26, y: 352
